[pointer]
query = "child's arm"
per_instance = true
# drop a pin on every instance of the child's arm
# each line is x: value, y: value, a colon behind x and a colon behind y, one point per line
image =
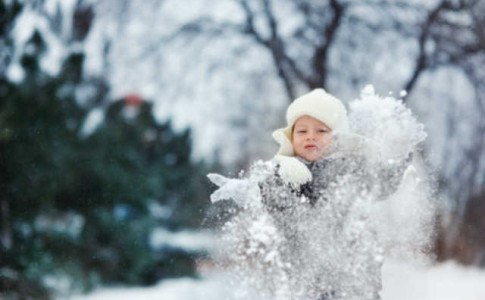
x: 389, y: 177
x: 275, y: 194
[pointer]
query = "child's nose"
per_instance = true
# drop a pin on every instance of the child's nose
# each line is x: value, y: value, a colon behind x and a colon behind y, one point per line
x: 311, y: 136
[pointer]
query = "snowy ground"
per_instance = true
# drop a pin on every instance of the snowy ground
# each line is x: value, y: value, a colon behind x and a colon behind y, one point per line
x: 401, y: 282
x: 447, y: 281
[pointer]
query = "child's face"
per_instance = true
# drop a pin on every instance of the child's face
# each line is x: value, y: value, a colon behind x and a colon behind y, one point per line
x: 310, y: 138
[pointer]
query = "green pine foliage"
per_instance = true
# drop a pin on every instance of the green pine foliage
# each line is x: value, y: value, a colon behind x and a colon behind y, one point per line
x: 75, y: 208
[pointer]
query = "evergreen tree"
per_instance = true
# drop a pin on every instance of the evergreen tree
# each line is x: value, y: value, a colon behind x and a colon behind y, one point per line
x: 76, y: 206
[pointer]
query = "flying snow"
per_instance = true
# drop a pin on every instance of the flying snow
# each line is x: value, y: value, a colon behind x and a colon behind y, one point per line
x: 334, y: 248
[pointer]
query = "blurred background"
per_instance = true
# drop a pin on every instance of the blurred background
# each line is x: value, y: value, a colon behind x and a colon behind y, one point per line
x: 113, y: 111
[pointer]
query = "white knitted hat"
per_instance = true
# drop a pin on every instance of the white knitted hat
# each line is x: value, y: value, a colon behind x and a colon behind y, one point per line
x: 319, y: 105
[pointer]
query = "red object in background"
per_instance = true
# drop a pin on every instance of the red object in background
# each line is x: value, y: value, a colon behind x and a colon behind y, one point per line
x: 133, y: 100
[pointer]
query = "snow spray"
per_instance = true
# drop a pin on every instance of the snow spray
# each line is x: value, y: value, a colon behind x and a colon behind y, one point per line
x: 335, y: 248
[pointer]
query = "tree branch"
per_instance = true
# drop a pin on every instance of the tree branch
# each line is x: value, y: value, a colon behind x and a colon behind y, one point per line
x: 250, y: 28
x: 284, y: 65
x: 422, y: 61
x: 320, y: 57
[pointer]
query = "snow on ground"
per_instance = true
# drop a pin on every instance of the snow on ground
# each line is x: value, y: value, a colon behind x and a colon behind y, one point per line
x: 175, y: 289
x: 402, y: 281
x: 447, y: 281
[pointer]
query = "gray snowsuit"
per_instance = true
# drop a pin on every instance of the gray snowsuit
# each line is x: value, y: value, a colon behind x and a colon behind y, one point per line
x: 331, y: 248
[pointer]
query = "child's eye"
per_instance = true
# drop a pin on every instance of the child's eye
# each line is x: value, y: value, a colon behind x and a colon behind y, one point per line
x: 322, y: 130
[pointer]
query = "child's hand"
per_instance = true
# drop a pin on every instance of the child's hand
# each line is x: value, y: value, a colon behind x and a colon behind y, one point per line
x: 292, y: 171
x: 217, y: 179
x: 243, y: 191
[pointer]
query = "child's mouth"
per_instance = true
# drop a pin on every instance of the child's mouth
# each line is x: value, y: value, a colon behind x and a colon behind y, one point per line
x: 310, y: 147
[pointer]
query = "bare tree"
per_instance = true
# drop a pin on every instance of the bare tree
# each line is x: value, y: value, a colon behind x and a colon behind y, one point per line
x: 452, y: 35
x: 455, y: 29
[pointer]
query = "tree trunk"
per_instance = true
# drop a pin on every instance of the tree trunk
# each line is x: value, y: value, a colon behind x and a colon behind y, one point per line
x: 5, y: 232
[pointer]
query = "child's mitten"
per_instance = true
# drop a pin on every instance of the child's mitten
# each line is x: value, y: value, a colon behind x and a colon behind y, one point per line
x: 292, y: 171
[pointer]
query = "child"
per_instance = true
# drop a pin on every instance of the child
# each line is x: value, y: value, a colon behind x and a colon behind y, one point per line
x: 318, y: 160
x: 316, y: 192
